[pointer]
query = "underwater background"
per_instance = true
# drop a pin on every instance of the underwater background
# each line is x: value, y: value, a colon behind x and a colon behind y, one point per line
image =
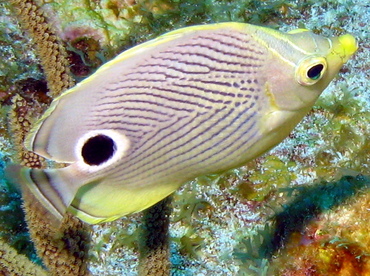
x: 301, y: 209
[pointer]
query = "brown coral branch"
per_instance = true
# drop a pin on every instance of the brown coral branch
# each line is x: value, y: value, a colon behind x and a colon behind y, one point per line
x: 63, y: 251
x: 154, y: 244
x: 49, y: 48
x: 14, y: 264
x: 20, y: 121
x: 54, y: 251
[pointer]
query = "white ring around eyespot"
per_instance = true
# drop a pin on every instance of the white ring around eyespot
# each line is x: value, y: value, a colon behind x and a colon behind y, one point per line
x: 122, y: 145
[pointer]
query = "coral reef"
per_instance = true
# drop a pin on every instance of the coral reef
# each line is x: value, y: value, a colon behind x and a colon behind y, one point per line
x: 303, y: 197
x: 62, y: 250
x: 326, y: 243
x: 16, y: 264
x: 153, y: 242
x: 13, y: 229
x: 52, y: 54
x: 21, y: 117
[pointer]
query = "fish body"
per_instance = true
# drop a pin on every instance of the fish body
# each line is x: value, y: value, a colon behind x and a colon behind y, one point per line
x: 194, y: 101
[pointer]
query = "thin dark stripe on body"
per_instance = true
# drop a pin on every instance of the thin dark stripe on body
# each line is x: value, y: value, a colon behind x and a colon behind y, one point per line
x: 213, y: 96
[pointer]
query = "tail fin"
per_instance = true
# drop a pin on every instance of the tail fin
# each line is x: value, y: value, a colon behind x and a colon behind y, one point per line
x: 47, y: 186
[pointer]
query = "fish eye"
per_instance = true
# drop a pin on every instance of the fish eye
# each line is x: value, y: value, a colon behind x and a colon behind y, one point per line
x: 98, y: 149
x: 314, y: 72
x: 310, y: 70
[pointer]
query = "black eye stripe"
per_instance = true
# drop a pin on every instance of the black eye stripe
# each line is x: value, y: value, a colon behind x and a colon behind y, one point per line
x: 98, y: 149
x: 315, y: 71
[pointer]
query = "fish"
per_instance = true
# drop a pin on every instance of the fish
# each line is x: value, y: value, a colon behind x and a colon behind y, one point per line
x: 195, y: 101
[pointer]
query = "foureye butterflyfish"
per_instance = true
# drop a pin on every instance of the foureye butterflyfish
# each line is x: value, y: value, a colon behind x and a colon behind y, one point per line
x: 195, y: 101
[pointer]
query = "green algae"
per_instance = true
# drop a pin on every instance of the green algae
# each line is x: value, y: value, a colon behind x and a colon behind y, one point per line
x: 347, y: 143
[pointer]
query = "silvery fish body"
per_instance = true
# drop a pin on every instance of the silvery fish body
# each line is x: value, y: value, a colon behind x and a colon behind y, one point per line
x: 195, y: 101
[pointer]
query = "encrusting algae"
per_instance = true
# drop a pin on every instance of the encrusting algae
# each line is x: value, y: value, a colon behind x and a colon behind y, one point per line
x: 203, y: 205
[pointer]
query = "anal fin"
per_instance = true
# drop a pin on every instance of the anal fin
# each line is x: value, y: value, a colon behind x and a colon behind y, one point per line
x: 41, y: 192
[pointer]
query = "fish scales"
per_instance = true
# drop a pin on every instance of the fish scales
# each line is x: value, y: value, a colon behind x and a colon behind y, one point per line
x: 196, y: 93
x: 195, y: 101
x: 211, y: 78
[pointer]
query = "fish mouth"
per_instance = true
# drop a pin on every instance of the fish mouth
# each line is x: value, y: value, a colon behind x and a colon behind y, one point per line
x: 349, y: 44
x: 346, y: 46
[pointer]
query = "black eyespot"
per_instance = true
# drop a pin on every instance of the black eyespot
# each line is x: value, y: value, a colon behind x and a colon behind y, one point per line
x: 98, y: 149
x: 314, y: 72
